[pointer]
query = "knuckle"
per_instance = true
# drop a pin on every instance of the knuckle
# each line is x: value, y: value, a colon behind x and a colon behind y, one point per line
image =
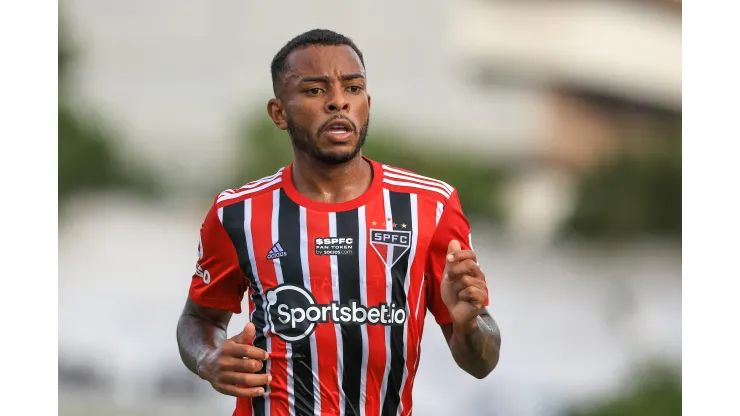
x: 248, y: 380
x: 250, y: 366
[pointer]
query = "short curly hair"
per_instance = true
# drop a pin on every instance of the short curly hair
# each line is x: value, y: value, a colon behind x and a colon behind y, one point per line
x: 323, y: 37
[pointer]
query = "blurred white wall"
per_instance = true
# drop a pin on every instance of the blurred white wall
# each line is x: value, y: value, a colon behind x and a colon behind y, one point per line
x: 629, y: 49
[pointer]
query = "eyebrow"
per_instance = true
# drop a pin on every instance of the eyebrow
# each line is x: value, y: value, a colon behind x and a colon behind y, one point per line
x: 348, y: 77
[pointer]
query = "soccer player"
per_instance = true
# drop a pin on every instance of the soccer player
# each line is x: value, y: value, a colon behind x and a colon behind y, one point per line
x: 340, y: 257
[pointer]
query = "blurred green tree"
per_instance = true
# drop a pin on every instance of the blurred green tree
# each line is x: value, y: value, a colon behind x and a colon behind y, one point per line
x: 89, y: 158
x: 265, y: 148
x: 657, y: 392
x: 633, y: 195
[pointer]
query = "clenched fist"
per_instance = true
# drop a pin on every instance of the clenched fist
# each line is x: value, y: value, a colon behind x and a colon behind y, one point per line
x: 464, y: 289
x: 231, y: 369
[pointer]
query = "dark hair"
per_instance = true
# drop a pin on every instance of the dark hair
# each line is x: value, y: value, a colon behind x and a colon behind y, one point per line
x: 312, y: 37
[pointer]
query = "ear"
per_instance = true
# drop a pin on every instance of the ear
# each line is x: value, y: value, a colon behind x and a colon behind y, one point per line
x: 368, y: 101
x: 276, y: 111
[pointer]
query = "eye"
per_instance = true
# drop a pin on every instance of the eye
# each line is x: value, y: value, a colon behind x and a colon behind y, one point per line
x: 314, y: 91
x: 354, y: 88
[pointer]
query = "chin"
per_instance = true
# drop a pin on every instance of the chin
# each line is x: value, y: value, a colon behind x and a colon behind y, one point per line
x: 337, y: 158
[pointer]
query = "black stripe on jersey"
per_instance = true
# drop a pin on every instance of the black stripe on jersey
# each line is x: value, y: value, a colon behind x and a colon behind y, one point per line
x: 348, y: 267
x: 401, y: 214
x: 233, y: 221
x: 289, y: 237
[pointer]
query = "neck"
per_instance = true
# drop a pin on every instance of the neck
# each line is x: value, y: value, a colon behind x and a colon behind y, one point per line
x: 331, y: 183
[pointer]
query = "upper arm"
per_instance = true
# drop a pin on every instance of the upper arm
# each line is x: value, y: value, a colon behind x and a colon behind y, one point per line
x: 218, y: 281
x: 453, y: 225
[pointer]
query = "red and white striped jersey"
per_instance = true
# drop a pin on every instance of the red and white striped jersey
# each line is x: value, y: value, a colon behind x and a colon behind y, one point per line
x: 338, y: 292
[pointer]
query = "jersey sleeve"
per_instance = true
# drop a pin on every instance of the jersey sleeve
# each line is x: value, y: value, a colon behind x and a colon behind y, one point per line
x: 453, y: 225
x: 218, y: 281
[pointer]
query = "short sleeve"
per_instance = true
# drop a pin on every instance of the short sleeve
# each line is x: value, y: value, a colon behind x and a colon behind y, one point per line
x: 218, y: 281
x: 453, y: 225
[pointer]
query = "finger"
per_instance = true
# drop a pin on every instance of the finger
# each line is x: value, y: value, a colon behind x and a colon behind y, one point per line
x: 233, y: 349
x: 473, y: 295
x: 247, y: 335
x: 468, y: 281
x: 461, y: 255
x: 467, y: 267
x: 241, y: 365
x: 453, y: 247
x: 245, y: 380
x: 235, y: 391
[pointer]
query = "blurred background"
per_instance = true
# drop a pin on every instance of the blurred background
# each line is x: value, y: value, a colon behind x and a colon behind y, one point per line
x: 558, y: 121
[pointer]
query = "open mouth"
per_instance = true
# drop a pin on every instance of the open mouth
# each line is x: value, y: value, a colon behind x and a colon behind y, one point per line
x: 339, y: 130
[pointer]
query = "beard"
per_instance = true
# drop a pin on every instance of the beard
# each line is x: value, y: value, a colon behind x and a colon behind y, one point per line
x: 305, y: 141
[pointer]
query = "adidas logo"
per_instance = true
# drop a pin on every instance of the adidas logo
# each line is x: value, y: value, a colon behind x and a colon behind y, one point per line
x: 276, y: 251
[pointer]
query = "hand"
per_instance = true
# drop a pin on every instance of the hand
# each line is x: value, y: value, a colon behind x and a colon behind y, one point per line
x: 231, y: 368
x: 464, y: 289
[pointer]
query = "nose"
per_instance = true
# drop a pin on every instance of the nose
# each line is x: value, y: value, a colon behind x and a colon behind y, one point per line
x: 336, y: 100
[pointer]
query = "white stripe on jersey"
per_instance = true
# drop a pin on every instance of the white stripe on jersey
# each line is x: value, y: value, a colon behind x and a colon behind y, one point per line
x: 253, y: 263
x: 414, y: 175
x: 388, y: 297
x: 361, y: 245
x: 407, y: 282
x: 307, y: 285
x: 440, y: 209
x: 253, y: 184
x: 418, y: 186
x: 226, y: 197
x: 416, y: 180
x: 338, y: 328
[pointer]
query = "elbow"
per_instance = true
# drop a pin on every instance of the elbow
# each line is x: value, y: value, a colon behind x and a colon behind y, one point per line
x: 485, y: 367
x: 482, y: 372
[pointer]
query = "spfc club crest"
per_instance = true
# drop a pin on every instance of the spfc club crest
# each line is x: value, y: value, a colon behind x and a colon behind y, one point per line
x: 390, y: 245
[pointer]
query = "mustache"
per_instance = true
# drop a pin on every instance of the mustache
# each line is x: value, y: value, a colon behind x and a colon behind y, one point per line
x: 333, y: 119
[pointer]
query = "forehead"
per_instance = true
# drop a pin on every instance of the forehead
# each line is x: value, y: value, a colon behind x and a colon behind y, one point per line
x: 320, y: 60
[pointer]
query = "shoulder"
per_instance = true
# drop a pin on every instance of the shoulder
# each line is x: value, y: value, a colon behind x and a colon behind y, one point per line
x: 249, y: 190
x: 404, y: 180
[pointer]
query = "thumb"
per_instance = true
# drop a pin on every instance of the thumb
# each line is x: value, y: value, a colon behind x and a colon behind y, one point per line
x: 247, y: 334
x: 453, y: 247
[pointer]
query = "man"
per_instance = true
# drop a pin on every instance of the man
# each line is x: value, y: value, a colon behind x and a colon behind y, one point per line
x: 340, y: 256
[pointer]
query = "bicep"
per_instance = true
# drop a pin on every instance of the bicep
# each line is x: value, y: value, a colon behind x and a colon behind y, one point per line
x: 218, y: 281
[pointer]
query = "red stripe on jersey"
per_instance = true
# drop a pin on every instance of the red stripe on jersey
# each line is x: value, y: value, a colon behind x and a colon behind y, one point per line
x: 375, y: 218
x: 243, y: 407
x: 317, y: 225
x: 416, y: 299
x: 262, y: 241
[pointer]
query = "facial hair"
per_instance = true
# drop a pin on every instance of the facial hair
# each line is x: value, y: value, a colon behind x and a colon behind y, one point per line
x: 306, y: 142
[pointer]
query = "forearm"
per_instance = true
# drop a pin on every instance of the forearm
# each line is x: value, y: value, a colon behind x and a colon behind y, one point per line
x: 476, y: 348
x: 196, y: 337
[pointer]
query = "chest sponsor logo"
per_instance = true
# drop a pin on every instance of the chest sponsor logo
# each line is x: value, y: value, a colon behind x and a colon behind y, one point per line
x: 390, y: 245
x: 293, y: 313
x: 334, y: 246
